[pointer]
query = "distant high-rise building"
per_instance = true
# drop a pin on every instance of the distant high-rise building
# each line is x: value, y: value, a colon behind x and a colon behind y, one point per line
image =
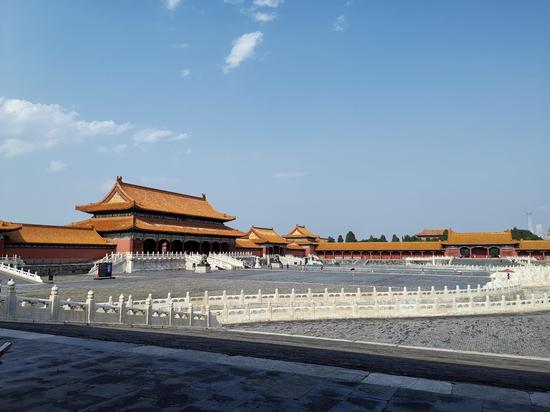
x: 529, y: 221
x: 538, y: 229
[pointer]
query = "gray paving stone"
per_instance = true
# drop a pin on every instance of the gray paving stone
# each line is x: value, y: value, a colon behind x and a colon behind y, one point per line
x: 491, y: 393
x: 427, y: 385
x: 540, y: 399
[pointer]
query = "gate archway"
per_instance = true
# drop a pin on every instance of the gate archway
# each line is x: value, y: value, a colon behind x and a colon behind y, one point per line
x: 150, y: 246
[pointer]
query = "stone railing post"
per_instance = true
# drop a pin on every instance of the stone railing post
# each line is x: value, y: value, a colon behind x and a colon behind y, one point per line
x: 187, y: 298
x: 487, y: 302
x: 445, y: 290
x: 259, y: 296
x: 207, y: 313
x: 309, y: 296
x: 225, y: 313
x: 148, y: 310
x: 241, y: 297
x: 190, y: 314
x: 90, y: 307
x: 170, y: 312
x: 342, y: 293
x: 54, y: 303
x: 121, y: 310
x: 11, y: 300
x: 130, y: 301
x: 205, y: 298
x: 276, y: 298
x: 224, y: 297
x: 247, y: 311
x: 326, y: 295
x: 292, y: 296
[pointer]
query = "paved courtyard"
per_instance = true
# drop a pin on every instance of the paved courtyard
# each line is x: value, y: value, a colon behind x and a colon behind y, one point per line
x: 527, y: 335
x: 178, y: 283
x: 56, y: 373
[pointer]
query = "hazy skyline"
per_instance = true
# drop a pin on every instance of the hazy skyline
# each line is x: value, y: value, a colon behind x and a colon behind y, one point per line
x: 377, y: 117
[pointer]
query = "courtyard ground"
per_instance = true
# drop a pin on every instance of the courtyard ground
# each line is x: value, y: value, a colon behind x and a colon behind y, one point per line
x: 57, y: 373
x: 178, y: 283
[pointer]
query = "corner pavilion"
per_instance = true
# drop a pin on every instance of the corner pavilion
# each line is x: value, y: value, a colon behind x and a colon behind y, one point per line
x: 144, y: 219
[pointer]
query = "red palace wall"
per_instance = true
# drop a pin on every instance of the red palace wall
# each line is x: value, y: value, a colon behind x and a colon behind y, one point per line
x: 57, y: 253
x: 127, y: 245
x: 2, y: 253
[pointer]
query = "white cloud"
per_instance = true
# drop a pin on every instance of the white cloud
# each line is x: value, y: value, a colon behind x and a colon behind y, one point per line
x: 243, y: 48
x: 56, y: 166
x: 340, y: 24
x: 181, y: 46
x: 290, y: 175
x: 116, y: 149
x: 267, y: 3
x: 185, y: 73
x: 171, y: 4
x: 264, y: 17
x: 150, y: 136
x: 27, y: 127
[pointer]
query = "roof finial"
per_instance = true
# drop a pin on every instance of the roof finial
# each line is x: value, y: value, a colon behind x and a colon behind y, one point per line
x: 119, y: 179
x: 204, y: 196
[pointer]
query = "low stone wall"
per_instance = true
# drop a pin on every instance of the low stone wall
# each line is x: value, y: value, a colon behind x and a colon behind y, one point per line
x: 90, y: 312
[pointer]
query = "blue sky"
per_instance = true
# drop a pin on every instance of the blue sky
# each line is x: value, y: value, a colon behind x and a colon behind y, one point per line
x: 376, y: 116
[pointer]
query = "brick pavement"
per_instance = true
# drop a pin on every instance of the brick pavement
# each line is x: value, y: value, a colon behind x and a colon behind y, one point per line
x: 53, y: 373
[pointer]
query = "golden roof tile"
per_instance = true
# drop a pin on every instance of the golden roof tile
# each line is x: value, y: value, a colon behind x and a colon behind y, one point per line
x: 58, y: 235
x: 378, y: 246
x: 126, y: 196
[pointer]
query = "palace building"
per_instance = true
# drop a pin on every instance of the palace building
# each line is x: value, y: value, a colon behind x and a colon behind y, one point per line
x: 47, y: 243
x: 263, y: 241
x: 133, y: 218
x: 143, y: 219
x: 301, y: 236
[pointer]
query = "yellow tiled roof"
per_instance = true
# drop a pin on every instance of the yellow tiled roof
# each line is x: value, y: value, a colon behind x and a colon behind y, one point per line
x: 480, y: 238
x: 534, y: 245
x: 432, y: 232
x: 300, y: 232
x: 379, y: 246
x: 8, y: 226
x: 125, y: 196
x: 246, y: 244
x: 117, y: 224
x: 58, y: 235
x: 261, y: 235
x: 294, y: 246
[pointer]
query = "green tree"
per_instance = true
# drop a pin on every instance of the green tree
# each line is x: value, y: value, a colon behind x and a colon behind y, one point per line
x: 395, y: 238
x: 445, y: 235
x: 340, y: 239
x: 382, y: 238
x: 523, y: 234
x: 350, y: 237
x: 330, y: 239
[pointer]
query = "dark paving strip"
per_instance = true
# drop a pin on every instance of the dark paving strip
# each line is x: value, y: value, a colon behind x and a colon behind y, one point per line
x: 523, y: 374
